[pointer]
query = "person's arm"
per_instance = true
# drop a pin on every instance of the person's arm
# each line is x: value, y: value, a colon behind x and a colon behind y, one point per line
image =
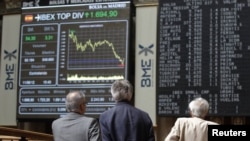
x: 104, y: 130
x: 94, y: 131
x: 150, y: 127
x: 172, y: 137
x: 151, y: 133
x: 174, y: 134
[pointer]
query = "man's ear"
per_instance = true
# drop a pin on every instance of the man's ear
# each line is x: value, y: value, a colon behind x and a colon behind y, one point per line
x: 83, y: 108
x: 190, y: 113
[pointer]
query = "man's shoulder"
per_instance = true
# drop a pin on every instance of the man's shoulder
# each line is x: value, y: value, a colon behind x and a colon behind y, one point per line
x: 57, y: 121
x: 73, y: 116
x: 195, y: 120
x: 121, y: 110
x: 212, y: 123
x: 183, y: 118
x: 87, y: 118
x: 107, y: 112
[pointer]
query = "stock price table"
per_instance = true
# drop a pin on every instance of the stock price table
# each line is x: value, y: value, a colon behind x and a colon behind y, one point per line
x: 203, y: 51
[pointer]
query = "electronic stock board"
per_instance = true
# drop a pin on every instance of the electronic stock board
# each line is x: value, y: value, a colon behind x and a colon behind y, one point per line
x: 71, y: 47
x: 203, y: 51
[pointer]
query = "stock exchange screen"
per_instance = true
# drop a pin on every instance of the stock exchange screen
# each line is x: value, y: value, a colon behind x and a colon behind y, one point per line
x: 71, y: 47
x: 203, y: 51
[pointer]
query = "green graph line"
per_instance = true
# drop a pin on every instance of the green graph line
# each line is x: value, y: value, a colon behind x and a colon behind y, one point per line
x: 82, y: 47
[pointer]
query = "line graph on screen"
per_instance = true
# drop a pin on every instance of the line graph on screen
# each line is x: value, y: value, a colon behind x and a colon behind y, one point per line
x: 99, y: 45
x: 93, y: 51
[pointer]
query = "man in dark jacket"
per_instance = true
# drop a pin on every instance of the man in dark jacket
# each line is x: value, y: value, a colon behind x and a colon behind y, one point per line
x: 124, y: 122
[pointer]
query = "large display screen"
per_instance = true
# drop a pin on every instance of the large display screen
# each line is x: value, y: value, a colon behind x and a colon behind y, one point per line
x: 71, y: 47
x: 203, y: 51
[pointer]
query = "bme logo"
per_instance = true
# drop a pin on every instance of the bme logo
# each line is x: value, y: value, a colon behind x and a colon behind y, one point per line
x: 9, y: 69
x: 146, y: 65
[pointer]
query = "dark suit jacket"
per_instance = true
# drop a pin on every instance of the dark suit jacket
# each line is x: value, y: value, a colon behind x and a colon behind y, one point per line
x: 76, y: 127
x: 124, y: 122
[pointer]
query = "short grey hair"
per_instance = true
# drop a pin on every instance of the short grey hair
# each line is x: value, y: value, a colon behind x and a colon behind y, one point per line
x: 199, y: 107
x: 73, y: 100
x: 122, y: 90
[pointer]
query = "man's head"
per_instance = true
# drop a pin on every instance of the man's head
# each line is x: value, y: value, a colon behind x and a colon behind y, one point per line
x: 75, y: 102
x: 122, y: 90
x: 199, y: 107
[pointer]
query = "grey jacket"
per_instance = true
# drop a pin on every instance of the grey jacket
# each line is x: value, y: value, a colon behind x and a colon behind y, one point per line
x: 76, y: 127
